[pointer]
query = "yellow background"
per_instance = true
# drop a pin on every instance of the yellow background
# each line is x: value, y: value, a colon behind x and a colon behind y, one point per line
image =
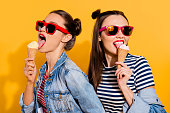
x: 151, y: 37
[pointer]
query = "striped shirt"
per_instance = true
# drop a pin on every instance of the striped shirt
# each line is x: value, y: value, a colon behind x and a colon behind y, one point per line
x: 40, y: 94
x: 108, y: 90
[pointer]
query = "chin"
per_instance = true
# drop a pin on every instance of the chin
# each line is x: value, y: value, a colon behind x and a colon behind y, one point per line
x: 41, y: 50
x: 112, y: 53
x: 115, y: 53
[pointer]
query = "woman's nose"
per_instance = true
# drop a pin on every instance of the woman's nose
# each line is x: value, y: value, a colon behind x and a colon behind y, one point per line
x: 42, y: 29
x: 119, y: 35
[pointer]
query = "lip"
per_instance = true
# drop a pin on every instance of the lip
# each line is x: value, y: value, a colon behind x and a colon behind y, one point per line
x: 39, y: 40
x: 117, y: 41
x: 41, y: 35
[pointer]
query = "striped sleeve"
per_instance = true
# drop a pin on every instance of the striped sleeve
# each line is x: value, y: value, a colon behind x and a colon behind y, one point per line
x: 143, y: 74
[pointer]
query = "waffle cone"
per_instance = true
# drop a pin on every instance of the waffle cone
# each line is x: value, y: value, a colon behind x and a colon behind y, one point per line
x: 122, y: 53
x: 32, y: 52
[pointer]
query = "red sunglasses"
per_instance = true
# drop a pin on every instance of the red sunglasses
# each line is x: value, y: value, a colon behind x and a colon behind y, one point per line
x: 50, y: 27
x: 113, y: 30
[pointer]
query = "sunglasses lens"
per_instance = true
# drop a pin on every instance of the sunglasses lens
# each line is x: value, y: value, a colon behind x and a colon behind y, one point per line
x: 39, y: 26
x: 50, y: 28
x: 112, y: 30
x: 127, y: 30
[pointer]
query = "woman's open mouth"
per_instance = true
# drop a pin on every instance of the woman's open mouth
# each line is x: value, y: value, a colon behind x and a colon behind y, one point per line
x: 41, y: 40
x: 118, y: 43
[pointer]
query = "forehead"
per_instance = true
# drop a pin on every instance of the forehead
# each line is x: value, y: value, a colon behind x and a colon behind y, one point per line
x: 55, y: 18
x: 117, y: 20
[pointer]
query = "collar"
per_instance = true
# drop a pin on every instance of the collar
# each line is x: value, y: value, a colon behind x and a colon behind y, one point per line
x: 60, y: 61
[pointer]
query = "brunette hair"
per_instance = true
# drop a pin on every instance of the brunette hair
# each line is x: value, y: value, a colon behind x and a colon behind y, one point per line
x: 97, y: 57
x: 73, y: 26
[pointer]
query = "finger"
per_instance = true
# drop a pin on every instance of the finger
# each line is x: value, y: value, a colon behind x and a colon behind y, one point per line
x: 25, y: 73
x: 29, y: 59
x: 30, y: 73
x: 118, y: 70
x: 118, y: 73
x: 30, y: 64
x: 118, y: 76
x: 121, y: 74
x: 27, y: 69
x: 30, y: 69
x: 127, y: 71
x: 122, y: 64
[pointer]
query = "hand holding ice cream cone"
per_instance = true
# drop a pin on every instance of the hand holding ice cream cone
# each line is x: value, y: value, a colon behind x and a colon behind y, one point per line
x: 122, y: 53
x: 30, y: 67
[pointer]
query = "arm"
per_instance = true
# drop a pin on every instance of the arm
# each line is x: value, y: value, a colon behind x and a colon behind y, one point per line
x: 146, y: 101
x: 28, y: 95
x: 143, y: 77
x: 27, y: 98
x: 144, y: 85
x: 123, y: 74
x: 84, y: 92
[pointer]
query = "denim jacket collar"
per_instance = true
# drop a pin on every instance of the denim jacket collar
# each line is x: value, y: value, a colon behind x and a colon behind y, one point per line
x: 60, y: 61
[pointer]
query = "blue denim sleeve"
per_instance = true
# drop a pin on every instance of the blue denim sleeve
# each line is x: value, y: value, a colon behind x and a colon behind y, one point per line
x: 155, y: 108
x: 25, y: 108
x: 144, y: 102
x: 83, y: 91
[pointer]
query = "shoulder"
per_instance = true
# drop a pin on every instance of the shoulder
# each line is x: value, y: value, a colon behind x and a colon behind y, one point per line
x: 71, y: 69
x: 69, y: 64
x: 135, y: 59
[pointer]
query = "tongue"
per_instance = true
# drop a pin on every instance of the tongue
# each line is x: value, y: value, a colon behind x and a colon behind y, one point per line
x: 117, y: 45
x: 41, y: 43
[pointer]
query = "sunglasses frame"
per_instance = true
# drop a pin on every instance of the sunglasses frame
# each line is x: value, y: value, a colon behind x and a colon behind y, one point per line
x: 119, y: 28
x: 57, y: 27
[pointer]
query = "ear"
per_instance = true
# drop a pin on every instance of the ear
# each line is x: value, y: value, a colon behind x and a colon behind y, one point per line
x: 66, y: 38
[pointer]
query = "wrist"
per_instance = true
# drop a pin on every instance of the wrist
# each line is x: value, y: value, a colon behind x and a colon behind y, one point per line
x: 29, y: 83
x: 123, y: 87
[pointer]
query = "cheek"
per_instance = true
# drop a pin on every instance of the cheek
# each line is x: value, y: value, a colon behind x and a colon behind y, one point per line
x: 108, y: 43
x: 126, y: 39
x: 53, y: 40
x: 57, y: 36
x: 106, y: 38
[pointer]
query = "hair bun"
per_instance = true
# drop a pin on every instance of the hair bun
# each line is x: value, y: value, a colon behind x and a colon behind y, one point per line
x: 96, y: 14
x: 77, y: 24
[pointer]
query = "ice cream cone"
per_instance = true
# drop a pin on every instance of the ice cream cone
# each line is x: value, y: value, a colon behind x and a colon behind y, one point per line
x: 122, y: 53
x: 32, y: 52
x: 32, y: 49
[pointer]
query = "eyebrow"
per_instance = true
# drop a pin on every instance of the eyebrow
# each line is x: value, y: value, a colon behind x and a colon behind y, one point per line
x: 51, y: 22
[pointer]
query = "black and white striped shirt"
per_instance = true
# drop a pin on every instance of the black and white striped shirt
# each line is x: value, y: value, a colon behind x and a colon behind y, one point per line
x: 108, y: 90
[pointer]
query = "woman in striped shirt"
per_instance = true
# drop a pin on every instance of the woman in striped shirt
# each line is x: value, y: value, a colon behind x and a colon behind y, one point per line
x: 124, y: 89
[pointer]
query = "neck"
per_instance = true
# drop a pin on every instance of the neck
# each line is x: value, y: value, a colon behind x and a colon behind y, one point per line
x: 111, y: 59
x: 52, y: 58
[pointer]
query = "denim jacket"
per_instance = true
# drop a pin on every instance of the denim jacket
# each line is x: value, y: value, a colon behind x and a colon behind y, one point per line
x: 66, y: 90
x: 146, y: 101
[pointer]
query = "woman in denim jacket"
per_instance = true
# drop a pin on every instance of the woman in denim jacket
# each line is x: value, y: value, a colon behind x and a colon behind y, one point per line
x: 129, y: 89
x: 61, y: 86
